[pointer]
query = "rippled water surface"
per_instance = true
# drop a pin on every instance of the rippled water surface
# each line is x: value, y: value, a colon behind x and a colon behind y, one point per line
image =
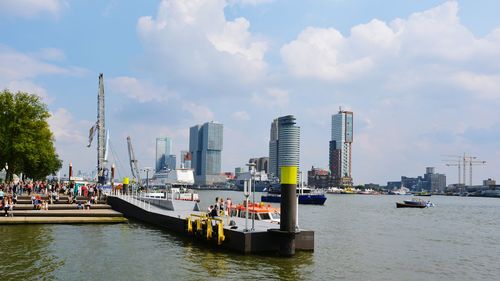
x: 357, y: 238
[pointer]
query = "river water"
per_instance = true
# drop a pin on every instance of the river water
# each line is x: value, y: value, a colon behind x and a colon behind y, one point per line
x: 356, y: 238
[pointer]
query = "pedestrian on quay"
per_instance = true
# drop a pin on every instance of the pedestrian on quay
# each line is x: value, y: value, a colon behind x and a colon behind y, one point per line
x: 229, y: 205
x: 6, y: 206
x: 1, y: 194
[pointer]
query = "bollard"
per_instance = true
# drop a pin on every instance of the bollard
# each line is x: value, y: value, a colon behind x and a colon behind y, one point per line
x: 288, y: 218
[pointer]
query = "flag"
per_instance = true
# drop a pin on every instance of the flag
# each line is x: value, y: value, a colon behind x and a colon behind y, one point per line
x: 91, y: 134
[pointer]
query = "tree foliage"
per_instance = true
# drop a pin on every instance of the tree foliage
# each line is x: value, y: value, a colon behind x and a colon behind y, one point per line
x: 26, y: 142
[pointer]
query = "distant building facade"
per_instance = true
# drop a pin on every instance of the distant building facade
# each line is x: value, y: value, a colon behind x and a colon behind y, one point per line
x: 205, y: 146
x: 319, y: 178
x: 431, y: 181
x: 273, y: 149
x: 185, y: 159
x: 163, y: 151
x: 340, y: 148
x: 489, y: 182
x: 261, y: 164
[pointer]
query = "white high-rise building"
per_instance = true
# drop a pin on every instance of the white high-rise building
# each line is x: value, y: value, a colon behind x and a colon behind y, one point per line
x: 284, y: 144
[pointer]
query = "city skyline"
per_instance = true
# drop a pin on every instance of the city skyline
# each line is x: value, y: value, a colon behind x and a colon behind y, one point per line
x: 421, y: 76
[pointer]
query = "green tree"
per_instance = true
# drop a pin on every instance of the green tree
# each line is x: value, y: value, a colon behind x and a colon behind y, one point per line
x: 26, y: 142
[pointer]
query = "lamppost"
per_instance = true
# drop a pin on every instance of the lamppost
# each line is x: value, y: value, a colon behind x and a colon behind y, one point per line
x: 6, y: 172
x: 246, y: 193
x: 251, y: 171
x: 147, y: 178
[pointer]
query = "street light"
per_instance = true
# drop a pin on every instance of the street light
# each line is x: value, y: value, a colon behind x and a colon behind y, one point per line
x: 147, y: 178
x: 251, y: 171
x: 6, y: 172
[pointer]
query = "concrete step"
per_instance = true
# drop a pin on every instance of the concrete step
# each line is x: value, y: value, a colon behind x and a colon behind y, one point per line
x: 45, y: 197
x: 60, y: 206
x: 66, y: 213
x: 63, y: 220
x: 59, y: 202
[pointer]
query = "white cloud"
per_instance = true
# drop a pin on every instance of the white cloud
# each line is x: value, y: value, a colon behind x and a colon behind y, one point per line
x: 241, y: 115
x: 66, y: 129
x: 480, y: 85
x: 51, y: 54
x: 30, y: 87
x: 199, y: 113
x: 140, y: 90
x: 271, y: 97
x: 192, y: 39
x: 433, y: 36
x: 250, y: 2
x: 31, y: 8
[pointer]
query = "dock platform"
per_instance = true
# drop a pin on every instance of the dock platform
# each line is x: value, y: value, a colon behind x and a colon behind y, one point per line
x: 262, y: 239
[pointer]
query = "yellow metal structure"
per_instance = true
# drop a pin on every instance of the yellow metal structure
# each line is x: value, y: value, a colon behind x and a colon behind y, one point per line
x: 289, y: 175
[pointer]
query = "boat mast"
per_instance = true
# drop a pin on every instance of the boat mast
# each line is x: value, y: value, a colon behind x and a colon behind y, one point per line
x: 100, y: 133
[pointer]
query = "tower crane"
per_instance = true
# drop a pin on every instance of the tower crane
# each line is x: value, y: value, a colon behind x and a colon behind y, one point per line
x: 134, y: 167
x: 472, y: 163
x: 456, y: 162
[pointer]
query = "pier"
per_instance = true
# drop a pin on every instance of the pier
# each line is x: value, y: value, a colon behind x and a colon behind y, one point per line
x: 263, y: 239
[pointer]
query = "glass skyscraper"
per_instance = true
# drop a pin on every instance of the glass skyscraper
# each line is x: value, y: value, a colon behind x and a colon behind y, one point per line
x: 205, y: 146
x: 163, y: 153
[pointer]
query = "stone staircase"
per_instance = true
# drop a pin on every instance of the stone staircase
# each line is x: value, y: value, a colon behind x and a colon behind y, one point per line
x: 60, y: 212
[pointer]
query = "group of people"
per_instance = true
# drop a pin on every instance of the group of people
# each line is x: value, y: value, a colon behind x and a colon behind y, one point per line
x: 220, y: 207
x: 7, y: 202
x: 52, y: 189
x: 43, y: 194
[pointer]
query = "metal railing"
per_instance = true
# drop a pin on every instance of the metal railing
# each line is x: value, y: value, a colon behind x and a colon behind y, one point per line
x: 135, y: 198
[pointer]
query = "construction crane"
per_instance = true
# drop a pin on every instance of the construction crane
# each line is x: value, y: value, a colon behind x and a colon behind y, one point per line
x: 134, y: 167
x: 472, y: 163
x: 456, y: 162
x: 462, y: 161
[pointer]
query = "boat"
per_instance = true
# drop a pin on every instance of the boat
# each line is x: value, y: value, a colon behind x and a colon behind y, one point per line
x: 414, y: 203
x: 333, y: 190
x: 259, y: 211
x: 306, y: 196
x: 348, y: 190
x: 423, y: 193
x: 260, y: 181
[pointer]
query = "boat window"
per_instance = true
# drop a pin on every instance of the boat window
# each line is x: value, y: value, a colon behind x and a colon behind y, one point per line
x: 264, y: 216
x: 275, y: 216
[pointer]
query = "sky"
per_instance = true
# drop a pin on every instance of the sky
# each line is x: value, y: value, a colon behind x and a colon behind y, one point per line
x: 421, y: 76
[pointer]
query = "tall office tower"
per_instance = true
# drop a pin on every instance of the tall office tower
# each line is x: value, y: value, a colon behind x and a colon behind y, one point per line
x: 163, y: 151
x: 205, y: 146
x: 273, y: 149
x: 171, y: 162
x: 289, y: 143
x: 185, y: 159
x: 340, y: 147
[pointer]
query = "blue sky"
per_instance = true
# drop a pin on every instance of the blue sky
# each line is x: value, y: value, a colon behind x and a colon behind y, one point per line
x: 422, y: 77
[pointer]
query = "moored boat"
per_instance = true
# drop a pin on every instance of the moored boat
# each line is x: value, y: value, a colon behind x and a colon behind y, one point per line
x: 259, y: 211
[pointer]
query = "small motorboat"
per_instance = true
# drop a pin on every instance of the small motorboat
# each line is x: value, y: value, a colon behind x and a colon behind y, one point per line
x: 414, y: 203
